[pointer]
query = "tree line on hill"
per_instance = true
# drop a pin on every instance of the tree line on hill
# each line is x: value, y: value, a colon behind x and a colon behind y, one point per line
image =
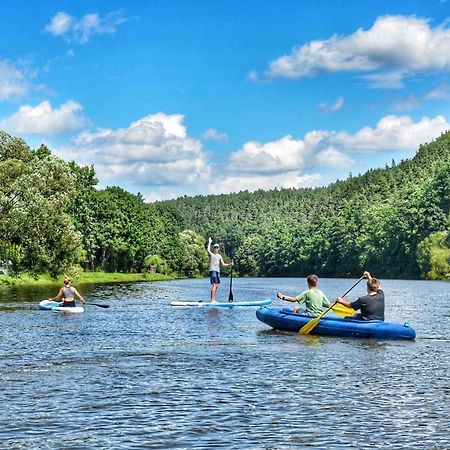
x: 392, y: 221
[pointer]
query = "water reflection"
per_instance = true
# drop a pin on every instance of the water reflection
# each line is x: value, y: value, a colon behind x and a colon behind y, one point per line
x: 144, y: 375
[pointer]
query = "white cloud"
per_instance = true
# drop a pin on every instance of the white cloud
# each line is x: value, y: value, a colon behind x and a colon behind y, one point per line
x: 333, y: 158
x: 441, y: 92
x: 153, y: 151
x: 13, y: 82
x: 396, y: 45
x: 69, y: 27
x: 389, y: 79
x: 60, y: 24
x: 281, y: 163
x: 289, y: 179
x: 329, y: 108
x: 391, y: 133
x: 44, y: 120
x: 211, y: 134
x: 407, y: 103
x: 283, y: 155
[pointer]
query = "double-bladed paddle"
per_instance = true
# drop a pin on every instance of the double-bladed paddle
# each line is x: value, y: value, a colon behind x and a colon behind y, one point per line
x: 306, y: 329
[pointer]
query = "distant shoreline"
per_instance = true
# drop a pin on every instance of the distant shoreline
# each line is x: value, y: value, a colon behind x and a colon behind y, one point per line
x: 25, y: 280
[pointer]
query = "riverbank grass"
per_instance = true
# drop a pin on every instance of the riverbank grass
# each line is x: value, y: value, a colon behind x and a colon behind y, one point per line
x: 83, y: 278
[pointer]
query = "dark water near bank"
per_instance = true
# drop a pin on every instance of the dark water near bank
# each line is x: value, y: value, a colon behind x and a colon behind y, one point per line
x: 143, y: 374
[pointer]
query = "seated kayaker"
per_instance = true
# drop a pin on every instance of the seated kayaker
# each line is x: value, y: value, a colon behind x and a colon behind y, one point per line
x: 313, y: 298
x: 371, y: 306
x: 67, y: 293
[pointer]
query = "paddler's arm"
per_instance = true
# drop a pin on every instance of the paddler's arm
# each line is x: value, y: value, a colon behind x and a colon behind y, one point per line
x: 58, y: 296
x: 79, y: 295
x: 208, y: 249
x: 344, y: 302
x: 286, y: 297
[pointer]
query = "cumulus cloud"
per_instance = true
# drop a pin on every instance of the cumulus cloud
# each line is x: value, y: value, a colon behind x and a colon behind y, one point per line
x: 13, y: 82
x: 81, y: 30
x: 153, y: 151
x: 211, y: 134
x: 287, y: 161
x: 329, y: 108
x: 333, y: 158
x: 394, y: 46
x: 286, y: 180
x: 44, y: 120
x: 392, y: 133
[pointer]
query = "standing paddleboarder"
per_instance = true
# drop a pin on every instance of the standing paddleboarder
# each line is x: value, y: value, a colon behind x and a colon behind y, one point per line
x: 215, y: 263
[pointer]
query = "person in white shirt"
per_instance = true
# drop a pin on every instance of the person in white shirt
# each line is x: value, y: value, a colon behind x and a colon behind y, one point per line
x: 215, y: 264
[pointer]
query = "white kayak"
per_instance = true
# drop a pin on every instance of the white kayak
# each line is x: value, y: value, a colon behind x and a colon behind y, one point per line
x: 55, y: 307
x: 223, y: 304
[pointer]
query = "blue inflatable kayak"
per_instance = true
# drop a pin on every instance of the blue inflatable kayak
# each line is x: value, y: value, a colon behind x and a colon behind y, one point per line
x: 223, y: 304
x: 286, y: 319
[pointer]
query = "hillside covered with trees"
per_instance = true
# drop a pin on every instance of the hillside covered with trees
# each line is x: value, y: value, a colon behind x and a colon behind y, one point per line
x: 392, y: 221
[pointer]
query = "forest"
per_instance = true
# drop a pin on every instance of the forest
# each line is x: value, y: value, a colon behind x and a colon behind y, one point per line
x: 392, y: 221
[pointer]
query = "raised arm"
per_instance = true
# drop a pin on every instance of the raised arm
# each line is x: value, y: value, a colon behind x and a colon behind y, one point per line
x: 208, y: 249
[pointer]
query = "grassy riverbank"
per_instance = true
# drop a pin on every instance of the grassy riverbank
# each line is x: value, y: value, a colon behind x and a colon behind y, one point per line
x: 83, y: 278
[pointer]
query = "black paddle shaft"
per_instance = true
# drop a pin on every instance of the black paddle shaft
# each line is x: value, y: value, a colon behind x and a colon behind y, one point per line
x: 230, y: 294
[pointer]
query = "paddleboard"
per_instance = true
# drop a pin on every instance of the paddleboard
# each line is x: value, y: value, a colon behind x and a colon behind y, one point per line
x: 222, y: 305
x: 54, y: 306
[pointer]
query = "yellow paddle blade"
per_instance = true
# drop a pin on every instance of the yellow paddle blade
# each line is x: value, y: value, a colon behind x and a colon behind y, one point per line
x: 342, y: 310
x: 306, y: 329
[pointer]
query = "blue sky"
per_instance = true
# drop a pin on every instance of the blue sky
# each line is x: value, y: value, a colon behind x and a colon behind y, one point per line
x: 200, y: 97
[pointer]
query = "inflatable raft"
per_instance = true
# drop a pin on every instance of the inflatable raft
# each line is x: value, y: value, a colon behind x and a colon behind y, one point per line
x: 329, y: 325
x: 54, y: 306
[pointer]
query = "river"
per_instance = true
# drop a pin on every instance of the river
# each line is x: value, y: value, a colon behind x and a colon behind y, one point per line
x: 145, y: 375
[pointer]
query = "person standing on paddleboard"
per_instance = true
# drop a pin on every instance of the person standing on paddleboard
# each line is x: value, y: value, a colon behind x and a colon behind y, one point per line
x: 67, y: 293
x: 313, y: 298
x: 371, y: 306
x: 215, y: 264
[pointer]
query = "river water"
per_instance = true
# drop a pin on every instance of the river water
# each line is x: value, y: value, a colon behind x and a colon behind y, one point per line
x: 145, y: 375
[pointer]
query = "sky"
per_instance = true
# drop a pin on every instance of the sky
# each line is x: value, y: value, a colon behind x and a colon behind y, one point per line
x: 184, y: 97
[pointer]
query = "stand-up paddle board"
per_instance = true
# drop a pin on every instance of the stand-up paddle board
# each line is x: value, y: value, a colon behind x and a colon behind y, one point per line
x: 222, y: 305
x: 55, y: 307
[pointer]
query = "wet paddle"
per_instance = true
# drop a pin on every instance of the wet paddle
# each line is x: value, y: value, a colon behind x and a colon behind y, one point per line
x: 98, y: 304
x: 306, y: 329
x: 230, y: 294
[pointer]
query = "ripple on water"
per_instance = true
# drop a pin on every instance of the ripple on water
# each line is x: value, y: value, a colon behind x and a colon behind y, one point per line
x: 144, y: 375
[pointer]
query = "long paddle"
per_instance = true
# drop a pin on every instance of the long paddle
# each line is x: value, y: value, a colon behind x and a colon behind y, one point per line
x: 230, y: 294
x: 306, y: 329
x: 98, y: 304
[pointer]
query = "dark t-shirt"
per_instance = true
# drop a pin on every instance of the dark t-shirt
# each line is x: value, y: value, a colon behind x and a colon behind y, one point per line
x: 371, y: 306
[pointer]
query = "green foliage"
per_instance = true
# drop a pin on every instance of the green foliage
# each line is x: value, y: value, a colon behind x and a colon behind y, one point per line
x: 193, y: 257
x: 36, y: 233
x: 156, y: 262
x: 434, y: 256
x: 373, y: 221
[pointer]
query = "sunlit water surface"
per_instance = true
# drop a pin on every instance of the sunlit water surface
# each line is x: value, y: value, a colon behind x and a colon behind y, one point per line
x: 143, y: 374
